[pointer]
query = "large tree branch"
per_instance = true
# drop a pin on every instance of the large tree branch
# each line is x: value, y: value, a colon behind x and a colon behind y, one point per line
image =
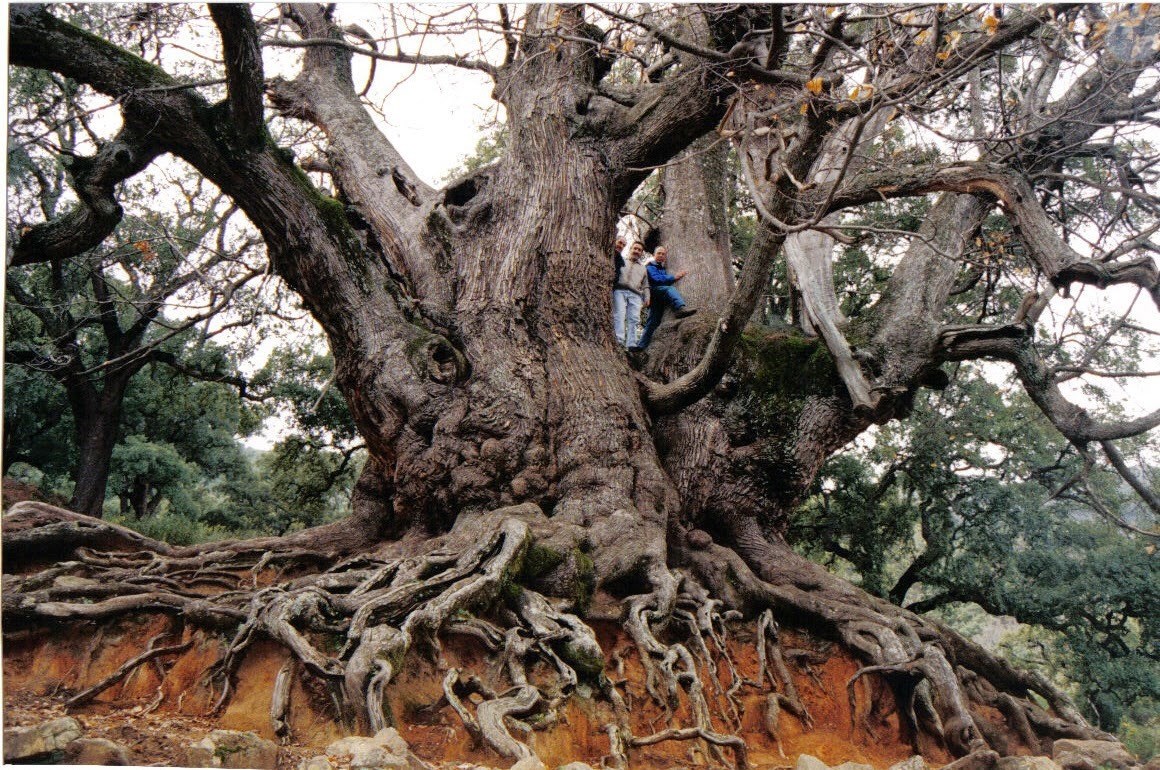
x: 367, y: 167
x: 97, y: 212
x: 1146, y: 493
x: 1061, y: 263
x: 243, y: 59
x: 810, y: 254
x: 668, y: 116
x: 1013, y: 345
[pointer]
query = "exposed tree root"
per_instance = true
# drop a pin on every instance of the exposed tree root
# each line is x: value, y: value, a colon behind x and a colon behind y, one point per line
x: 152, y: 653
x: 280, y: 699
x: 769, y: 647
x: 351, y: 626
x: 941, y: 679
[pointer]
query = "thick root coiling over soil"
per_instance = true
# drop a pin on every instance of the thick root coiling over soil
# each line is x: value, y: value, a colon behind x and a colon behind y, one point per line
x: 349, y: 626
x: 943, y: 681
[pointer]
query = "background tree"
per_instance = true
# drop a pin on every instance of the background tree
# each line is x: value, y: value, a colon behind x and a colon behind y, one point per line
x: 91, y: 322
x: 470, y: 332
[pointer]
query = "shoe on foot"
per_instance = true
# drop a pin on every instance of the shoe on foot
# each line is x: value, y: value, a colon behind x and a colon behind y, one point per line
x: 685, y: 312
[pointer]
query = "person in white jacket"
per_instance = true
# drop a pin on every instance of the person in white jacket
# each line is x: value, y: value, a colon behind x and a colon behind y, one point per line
x: 629, y: 295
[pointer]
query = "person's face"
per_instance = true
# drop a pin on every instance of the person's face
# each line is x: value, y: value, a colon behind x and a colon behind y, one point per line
x: 620, y: 243
x: 662, y: 256
x: 637, y: 250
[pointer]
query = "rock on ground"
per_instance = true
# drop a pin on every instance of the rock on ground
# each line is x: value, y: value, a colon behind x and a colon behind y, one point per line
x: 1026, y: 763
x: 22, y: 743
x: 914, y: 763
x: 385, y: 751
x: 854, y: 766
x: 529, y: 763
x: 96, y: 751
x: 231, y: 748
x: 810, y: 762
x: 1071, y: 753
x: 316, y: 763
x: 980, y: 760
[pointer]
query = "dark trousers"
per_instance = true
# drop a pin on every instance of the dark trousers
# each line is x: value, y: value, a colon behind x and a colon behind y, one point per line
x: 661, y: 298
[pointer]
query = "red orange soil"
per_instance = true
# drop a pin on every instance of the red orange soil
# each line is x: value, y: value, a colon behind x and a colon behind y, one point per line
x: 41, y: 671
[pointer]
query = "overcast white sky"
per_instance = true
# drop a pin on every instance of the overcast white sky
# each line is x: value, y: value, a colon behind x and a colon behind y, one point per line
x: 434, y: 115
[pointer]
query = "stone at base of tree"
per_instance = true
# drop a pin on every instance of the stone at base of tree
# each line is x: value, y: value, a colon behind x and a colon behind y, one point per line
x: 1027, y: 763
x: 96, y: 751
x: 22, y: 743
x: 235, y: 749
x: 979, y: 760
x: 1076, y: 762
x: 810, y: 762
x: 1070, y: 753
x: 386, y: 750
x: 316, y: 763
x: 853, y: 766
x: 529, y: 763
x: 913, y: 763
x: 575, y: 766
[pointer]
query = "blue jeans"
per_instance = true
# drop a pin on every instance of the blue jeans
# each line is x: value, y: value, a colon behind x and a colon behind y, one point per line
x: 626, y: 305
x: 662, y: 297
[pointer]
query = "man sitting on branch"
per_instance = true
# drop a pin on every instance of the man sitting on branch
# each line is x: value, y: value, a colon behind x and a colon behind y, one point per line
x: 662, y: 293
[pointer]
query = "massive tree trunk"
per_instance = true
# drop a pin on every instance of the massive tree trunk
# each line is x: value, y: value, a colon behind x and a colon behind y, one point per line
x: 514, y: 453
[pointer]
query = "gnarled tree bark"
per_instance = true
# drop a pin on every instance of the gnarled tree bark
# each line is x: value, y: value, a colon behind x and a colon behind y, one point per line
x: 514, y: 453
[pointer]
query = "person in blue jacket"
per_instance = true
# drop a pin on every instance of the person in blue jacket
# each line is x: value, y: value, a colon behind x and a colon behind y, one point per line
x: 662, y: 294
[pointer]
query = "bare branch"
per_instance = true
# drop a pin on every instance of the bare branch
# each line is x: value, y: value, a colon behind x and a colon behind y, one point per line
x: 1146, y: 493
x: 401, y: 58
x: 1011, y: 344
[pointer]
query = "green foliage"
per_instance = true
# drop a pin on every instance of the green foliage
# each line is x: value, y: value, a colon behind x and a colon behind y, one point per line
x: 490, y: 148
x: 38, y: 427
x: 156, y: 470
x: 176, y: 529
x: 299, y: 380
x: 1140, y: 730
x: 179, y: 471
x: 304, y: 484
